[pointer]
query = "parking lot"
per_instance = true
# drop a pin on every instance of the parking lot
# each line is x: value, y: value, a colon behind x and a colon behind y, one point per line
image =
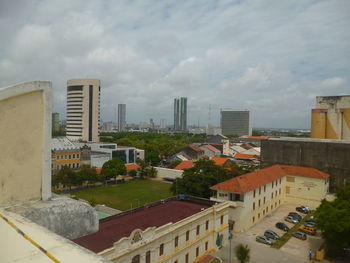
x: 294, y: 246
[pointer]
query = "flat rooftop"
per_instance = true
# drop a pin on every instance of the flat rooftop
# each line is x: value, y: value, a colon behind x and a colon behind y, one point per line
x: 300, y: 139
x: 115, y: 227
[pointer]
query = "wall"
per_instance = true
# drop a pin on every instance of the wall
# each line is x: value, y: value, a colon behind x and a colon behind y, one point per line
x: 168, y: 173
x: 25, y: 134
x: 125, y: 249
x: 329, y: 156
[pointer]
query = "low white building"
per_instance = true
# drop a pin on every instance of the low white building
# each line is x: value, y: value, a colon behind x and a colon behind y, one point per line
x: 180, y: 230
x: 257, y: 194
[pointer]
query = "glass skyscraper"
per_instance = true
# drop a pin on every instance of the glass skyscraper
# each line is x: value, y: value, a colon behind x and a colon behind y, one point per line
x: 180, y: 114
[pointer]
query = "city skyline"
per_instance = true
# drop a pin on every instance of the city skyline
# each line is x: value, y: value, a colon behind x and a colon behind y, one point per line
x: 272, y: 59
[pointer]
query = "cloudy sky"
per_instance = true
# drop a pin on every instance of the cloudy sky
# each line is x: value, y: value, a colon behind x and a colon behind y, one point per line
x: 271, y: 57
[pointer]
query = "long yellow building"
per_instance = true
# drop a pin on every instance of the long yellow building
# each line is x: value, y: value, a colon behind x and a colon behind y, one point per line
x: 331, y: 118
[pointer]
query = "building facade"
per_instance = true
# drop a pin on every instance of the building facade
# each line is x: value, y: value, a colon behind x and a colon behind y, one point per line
x: 331, y: 118
x: 64, y: 153
x: 83, y: 109
x: 257, y: 194
x: 55, y: 122
x: 173, y: 230
x: 121, y: 117
x: 233, y: 122
x: 180, y: 114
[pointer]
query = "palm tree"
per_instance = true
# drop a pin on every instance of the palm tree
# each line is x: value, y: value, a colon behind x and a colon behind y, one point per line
x: 242, y: 253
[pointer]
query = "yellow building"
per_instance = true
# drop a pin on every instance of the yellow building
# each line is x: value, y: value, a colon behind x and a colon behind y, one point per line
x: 331, y: 118
x: 257, y: 194
x: 64, y: 153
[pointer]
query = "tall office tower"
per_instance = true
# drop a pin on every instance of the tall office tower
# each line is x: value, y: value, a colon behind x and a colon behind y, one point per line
x: 180, y: 114
x: 83, y: 109
x: 331, y: 118
x: 235, y: 122
x: 121, y: 117
x: 55, y: 121
x: 162, y: 124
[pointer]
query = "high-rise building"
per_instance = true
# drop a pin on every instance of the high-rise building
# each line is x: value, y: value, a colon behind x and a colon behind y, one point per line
x: 121, y: 117
x: 331, y: 118
x: 180, y: 114
x: 83, y: 109
x: 235, y: 122
x: 162, y: 124
x: 55, y: 121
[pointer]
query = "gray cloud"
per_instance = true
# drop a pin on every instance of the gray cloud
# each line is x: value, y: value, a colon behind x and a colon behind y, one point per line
x: 270, y: 57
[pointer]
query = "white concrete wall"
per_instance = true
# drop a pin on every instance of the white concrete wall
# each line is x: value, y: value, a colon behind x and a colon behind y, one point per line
x: 25, y: 142
x: 168, y: 173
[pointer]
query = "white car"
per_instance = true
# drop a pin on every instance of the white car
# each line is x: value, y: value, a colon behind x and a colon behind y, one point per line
x: 291, y: 219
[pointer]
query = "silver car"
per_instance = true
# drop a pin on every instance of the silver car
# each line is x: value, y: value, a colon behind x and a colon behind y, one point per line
x: 264, y: 240
x: 291, y: 219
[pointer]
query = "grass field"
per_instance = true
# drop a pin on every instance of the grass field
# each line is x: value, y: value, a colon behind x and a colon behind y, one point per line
x: 127, y: 195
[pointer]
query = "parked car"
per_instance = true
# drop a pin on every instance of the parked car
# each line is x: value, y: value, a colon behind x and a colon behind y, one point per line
x: 282, y: 226
x: 295, y: 215
x: 291, y: 219
x: 271, y: 235
x: 299, y: 235
x: 311, y: 220
x: 308, y: 230
x: 264, y: 240
x: 302, y: 209
x: 309, y: 224
x: 306, y: 208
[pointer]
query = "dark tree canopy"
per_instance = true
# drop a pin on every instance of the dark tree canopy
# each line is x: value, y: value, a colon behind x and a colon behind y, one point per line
x: 333, y: 219
x: 113, y: 168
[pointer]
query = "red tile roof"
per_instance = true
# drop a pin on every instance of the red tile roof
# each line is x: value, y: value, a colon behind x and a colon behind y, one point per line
x: 98, y: 170
x: 184, y: 165
x: 219, y: 161
x: 245, y: 156
x: 212, y: 148
x: 197, y: 149
x: 132, y: 166
x: 112, y: 230
x: 245, y: 183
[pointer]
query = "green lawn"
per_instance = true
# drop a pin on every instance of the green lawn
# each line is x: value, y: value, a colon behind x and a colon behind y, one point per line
x: 127, y: 195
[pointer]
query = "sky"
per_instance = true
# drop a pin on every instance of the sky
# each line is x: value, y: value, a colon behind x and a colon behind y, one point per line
x: 267, y: 56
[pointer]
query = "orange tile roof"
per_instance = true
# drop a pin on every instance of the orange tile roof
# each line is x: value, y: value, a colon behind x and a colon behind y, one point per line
x: 132, y: 166
x: 245, y: 156
x: 212, y: 148
x: 197, y: 149
x: 98, y: 170
x: 219, y: 161
x: 247, y: 182
x: 184, y: 165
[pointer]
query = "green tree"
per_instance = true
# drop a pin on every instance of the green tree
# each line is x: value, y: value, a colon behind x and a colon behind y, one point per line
x: 87, y: 174
x: 113, y: 168
x: 66, y: 177
x: 242, y: 253
x: 132, y: 173
x: 151, y: 172
x: 333, y: 219
x: 143, y: 167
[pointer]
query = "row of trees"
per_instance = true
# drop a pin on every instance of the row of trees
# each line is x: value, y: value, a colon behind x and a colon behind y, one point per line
x: 197, y: 180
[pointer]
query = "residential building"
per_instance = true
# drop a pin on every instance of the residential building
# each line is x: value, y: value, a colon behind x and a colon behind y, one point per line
x: 55, y: 122
x: 121, y: 117
x: 64, y: 153
x: 108, y: 126
x: 235, y: 122
x: 184, y: 165
x: 180, y: 114
x: 210, y: 151
x: 190, y: 152
x: 329, y: 156
x: 331, y: 118
x: 221, y: 161
x: 83, y: 109
x: 140, y: 154
x: 182, y: 229
x: 257, y: 194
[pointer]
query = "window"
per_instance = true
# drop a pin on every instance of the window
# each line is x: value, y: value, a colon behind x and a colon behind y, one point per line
x: 265, y: 188
x: 253, y: 219
x: 175, y: 261
x: 197, y: 230
x: 258, y: 215
x: 186, y: 258
x: 267, y: 209
x: 136, y: 259
x: 290, y: 179
x: 73, y: 156
x: 197, y: 252
x: 206, y: 246
x: 280, y: 180
x: 264, y: 200
x: 148, y: 257
x: 276, y: 193
x: 263, y: 212
x: 221, y: 220
x: 272, y: 184
x: 176, y: 241
x: 187, y: 235
x: 279, y: 202
x: 279, y: 191
x: 271, y: 195
x: 271, y: 207
x: 253, y: 205
x: 259, y: 202
x: 254, y: 194
x: 161, y: 249
x: 275, y: 204
x: 207, y: 225
x: 287, y: 189
x: 259, y: 190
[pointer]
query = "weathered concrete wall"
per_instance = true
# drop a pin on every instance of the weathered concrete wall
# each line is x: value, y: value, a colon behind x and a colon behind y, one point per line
x: 330, y: 156
x: 25, y: 132
x: 168, y: 173
x: 62, y: 215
